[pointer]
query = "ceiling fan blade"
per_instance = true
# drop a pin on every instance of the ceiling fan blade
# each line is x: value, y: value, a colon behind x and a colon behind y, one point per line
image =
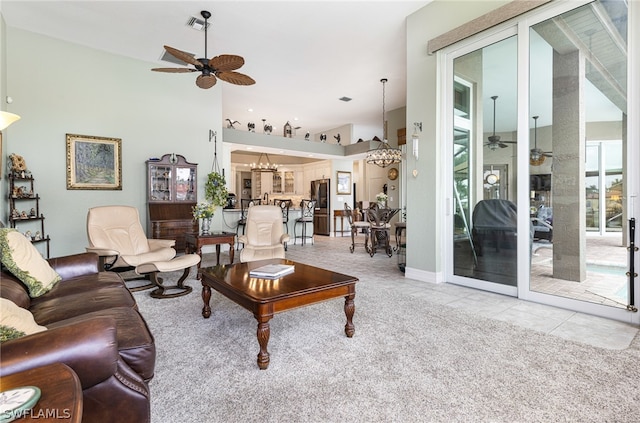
x: 174, y: 70
x: 185, y: 57
x: 206, y: 81
x: 226, y: 62
x: 236, y: 78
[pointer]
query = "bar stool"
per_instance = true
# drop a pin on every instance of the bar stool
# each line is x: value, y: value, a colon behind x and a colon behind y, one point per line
x: 284, y: 206
x: 244, y: 209
x: 308, y: 208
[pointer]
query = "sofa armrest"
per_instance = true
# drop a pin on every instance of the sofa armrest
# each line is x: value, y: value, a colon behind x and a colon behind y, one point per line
x: 75, y: 265
x: 89, y: 347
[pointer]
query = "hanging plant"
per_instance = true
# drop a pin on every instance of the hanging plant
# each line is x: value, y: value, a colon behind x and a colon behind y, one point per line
x: 215, y: 189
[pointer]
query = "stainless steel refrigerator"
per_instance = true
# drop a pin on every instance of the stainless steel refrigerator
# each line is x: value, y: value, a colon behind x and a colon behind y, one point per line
x: 320, y: 193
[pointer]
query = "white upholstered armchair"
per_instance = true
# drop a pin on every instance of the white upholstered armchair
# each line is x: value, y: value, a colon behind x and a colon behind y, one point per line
x: 264, y: 237
x: 116, y: 235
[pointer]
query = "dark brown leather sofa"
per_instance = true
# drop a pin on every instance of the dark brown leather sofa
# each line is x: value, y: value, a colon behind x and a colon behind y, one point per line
x: 94, y: 327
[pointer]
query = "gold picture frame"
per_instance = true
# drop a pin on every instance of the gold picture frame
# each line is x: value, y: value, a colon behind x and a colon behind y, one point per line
x: 94, y: 163
x: 344, y: 183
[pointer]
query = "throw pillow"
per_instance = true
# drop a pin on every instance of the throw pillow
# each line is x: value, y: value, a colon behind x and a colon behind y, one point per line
x: 16, y: 321
x: 26, y: 263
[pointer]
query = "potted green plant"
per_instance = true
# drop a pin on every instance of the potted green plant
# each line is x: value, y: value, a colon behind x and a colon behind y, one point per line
x: 215, y: 189
x: 215, y: 192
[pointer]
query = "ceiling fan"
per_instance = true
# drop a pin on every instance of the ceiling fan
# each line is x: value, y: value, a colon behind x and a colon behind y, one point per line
x: 494, y: 140
x: 222, y: 66
x: 537, y: 156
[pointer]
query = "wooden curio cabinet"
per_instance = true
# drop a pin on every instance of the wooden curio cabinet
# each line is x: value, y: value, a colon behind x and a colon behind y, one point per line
x: 171, y: 195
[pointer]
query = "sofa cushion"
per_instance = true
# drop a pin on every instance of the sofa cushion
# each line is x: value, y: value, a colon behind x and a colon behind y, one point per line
x: 16, y: 322
x: 26, y: 263
x: 72, y: 301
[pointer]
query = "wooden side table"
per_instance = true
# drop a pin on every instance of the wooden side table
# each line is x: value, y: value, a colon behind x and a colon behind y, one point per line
x: 194, y: 243
x: 61, y: 393
x: 341, y: 214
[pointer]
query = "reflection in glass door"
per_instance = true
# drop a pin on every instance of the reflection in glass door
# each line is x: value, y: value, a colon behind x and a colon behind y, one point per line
x: 578, y: 104
x: 484, y: 165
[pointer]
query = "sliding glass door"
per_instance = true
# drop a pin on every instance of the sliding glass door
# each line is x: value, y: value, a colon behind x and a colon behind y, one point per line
x: 483, y: 154
x: 578, y: 86
x: 538, y: 158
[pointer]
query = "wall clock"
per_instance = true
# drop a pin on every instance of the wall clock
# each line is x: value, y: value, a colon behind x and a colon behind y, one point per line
x: 393, y: 174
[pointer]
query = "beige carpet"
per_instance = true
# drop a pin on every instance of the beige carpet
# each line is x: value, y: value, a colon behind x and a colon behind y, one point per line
x: 410, y: 360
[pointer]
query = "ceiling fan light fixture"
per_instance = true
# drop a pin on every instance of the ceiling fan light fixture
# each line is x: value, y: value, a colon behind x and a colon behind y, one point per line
x: 384, y: 155
x: 222, y: 66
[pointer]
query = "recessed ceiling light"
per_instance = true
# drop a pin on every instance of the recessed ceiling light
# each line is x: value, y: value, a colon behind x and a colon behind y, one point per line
x: 345, y: 99
x: 249, y: 110
x: 249, y: 148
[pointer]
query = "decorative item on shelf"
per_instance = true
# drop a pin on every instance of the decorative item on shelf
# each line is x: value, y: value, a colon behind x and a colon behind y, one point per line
x: 204, y: 212
x: 384, y: 155
x: 382, y: 198
x: 323, y: 137
x: 19, y: 166
x: 266, y: 166
x: 251, y: 127
x: 230, y: 123
x: 337, y: 137
x: 266, y: 127
x: 287, y: 130
x: 307, y: 136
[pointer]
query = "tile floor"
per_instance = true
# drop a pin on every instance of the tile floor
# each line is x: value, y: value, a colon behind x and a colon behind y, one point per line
x: 383, y: 270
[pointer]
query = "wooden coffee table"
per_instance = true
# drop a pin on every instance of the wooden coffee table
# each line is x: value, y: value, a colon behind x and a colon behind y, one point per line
x: 265, y: 297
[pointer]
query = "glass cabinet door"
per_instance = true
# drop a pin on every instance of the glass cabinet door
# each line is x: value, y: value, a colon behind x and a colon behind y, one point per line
x: 160, y: 183
x: 185, y: 184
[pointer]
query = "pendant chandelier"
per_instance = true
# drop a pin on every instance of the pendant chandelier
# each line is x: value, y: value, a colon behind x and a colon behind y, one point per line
x: 384, y: 155
x: 264, y: 166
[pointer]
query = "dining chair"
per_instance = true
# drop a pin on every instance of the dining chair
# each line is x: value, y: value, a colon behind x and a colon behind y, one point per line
x: 356, y: 226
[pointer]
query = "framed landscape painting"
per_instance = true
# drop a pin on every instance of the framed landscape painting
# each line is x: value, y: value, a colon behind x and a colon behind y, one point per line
x: 344, y: 183
x: 94, y: 162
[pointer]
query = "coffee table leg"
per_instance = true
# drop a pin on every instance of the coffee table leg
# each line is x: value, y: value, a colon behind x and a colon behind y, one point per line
x: 264, y: 331
x: 349, y: 310
x: 206, y: 297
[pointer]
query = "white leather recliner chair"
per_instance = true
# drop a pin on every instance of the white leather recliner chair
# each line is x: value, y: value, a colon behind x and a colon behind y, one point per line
x: 264, y: 237
x: 116, y: 235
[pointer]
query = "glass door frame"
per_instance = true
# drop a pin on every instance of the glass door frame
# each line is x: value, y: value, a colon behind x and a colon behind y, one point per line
x: 520, y: 26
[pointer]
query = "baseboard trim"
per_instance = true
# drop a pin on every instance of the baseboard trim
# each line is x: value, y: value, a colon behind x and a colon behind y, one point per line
x: 423, y: 275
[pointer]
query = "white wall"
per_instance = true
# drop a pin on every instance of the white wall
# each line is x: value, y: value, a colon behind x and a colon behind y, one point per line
x: 61, y: 88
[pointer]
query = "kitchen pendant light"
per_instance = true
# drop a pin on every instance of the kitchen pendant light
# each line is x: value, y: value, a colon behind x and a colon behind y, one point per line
x: 266, y: 166
x: 384, y: 155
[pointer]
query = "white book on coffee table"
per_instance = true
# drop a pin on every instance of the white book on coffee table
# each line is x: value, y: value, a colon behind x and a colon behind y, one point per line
x: 272, y: 271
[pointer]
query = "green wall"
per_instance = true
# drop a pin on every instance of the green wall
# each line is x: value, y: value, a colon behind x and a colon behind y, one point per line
x: 425, y: 203
x: 59, y: 87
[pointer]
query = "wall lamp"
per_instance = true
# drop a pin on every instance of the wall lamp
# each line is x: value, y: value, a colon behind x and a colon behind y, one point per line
x: 7, y: 119
x: 415, y: 138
